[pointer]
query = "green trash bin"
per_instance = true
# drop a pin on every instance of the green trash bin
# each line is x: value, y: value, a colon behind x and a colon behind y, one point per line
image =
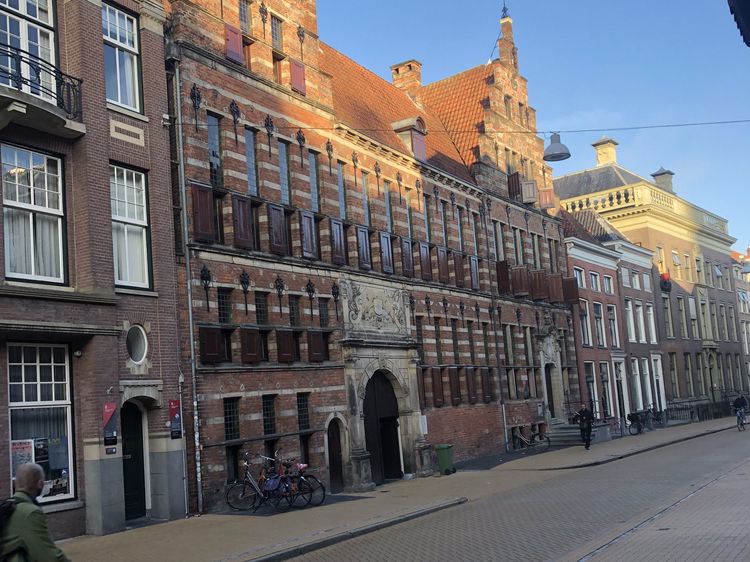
x: 445, y: 459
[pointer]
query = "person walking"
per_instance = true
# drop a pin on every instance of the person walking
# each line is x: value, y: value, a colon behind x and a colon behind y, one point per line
x: 585, y: 419
x: 25, y: 537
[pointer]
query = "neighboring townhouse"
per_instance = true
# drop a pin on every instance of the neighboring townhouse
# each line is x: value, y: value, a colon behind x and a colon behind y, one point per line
x: 362, y: 281
x: 88, y: 326
x: 694, y: 295
x: 741, y: 275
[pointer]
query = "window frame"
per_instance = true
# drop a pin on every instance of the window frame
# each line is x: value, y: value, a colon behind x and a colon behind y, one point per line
x: 134, y: 51
x: 594, y: 281
x: 608, y: 285
x: 578, y: 273
x: 141, y: 224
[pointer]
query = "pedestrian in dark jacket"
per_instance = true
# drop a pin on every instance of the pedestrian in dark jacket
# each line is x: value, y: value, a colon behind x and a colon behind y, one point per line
x: 585, y: 418
x: 25, y: 537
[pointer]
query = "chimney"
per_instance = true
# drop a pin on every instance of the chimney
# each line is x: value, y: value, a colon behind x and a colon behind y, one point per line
x: 407, y: 76
x: 606, y: 151
x: 663, y: 178
x: 505, y: 45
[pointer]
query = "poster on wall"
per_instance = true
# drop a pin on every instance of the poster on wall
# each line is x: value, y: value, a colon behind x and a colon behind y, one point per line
x: 22, y: 451
x: 109, y: 422
x: 175, y: 423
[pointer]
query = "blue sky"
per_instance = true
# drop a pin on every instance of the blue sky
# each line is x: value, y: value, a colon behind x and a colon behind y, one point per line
x: 591, y: 64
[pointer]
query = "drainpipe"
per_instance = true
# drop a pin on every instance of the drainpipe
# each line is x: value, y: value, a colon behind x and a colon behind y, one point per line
x: 188, y: 283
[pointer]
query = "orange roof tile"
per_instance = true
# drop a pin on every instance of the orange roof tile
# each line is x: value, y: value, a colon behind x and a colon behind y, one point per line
x: 458, y: 101
x: 365, y: 102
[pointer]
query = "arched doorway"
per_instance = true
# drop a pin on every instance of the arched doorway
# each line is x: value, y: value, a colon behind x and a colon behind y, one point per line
x: 335, y: 461
x: 381, y: 429
x: 133, y: 458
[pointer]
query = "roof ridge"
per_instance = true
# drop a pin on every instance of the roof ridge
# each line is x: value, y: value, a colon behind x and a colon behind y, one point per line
x: 453, y: 76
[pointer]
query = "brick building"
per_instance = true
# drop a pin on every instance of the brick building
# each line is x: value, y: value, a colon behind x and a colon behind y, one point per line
x: 364, y: 281
x: 87, y: 281
x: 741, y: 274
x: 694, y: 294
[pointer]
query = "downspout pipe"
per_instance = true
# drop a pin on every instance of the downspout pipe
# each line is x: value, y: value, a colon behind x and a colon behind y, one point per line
x: 188, y: 279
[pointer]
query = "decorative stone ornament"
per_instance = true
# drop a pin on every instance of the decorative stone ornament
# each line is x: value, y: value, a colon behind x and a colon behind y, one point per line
x: 234, y: 109
x: 268, y: 124
x: 196, y: 99
x: 329, y: 152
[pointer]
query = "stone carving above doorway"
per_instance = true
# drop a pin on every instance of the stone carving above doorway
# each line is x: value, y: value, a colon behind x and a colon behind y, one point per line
x: 373, y: 309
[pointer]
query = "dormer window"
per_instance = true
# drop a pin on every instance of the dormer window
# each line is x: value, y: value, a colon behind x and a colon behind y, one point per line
x: 412, y: 133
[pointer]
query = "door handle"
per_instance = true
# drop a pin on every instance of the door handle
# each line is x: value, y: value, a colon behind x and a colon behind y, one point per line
x: 126, y: 457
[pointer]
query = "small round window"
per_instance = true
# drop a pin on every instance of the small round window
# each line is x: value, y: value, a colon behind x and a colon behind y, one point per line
x: 137, y: 344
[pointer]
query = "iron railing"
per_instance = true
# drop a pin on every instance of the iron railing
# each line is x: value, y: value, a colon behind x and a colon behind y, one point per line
x: 27, y: 73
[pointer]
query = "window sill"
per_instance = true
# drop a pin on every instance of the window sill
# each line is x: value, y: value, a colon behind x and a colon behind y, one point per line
x: 137, y: 292
x: 127, y: 112
x: 62, y: 506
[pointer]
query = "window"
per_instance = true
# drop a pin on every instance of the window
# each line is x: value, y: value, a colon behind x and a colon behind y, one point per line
x: 714, y: 322
x: 261, y: 308
x: 583, y: 315
x: 709, y: 274
x: 342, y: 191
x: 486, y: 343
x: 294, y: 312
x: 231, y: 418
x: 40, y: 416
x: 426, y: 203
x: 636, y: 280
x: 554, y: 252
x: 693, y: 318
x: 388, y: 206
x: 701, y: 374
x: 580, y: 280
x: 676, y: 264
x: 614, y: 335
x: 312, y: 158
x: 744, y: 301
x: 409, y: 217
x: 474, y: 217
x: 625, y: 276
x: 213, y: 123
x: 454, y: 338
x: 420, y: 337
x: 594, y: 279
x: 269, y: 414
x: 536, y: 251
x: 668, y: 325
x: 719, y: 277
x: 499, y: 242
x: 277, y: 37
x: 245, y: 16
x: 673, y: 375
x: 518, y: 246
x: 251, y: 165
x: 460, y: 229
x: 284, y: 179
x: 510, y: 360
x: 660, y: 258
x: 129, y: 226
x: 323, y: 312
x: 120, y: 32
x: 608, y: 286
x: 32, y: 214
x: 698, y: 271
x: 688, y: 271
x: 601, y: 339
x: 640, y: 324
x: 689, y: 374
x: 629, y: 321
x: 647, y: 282
x: 444, y: 221
x: 682, y: 313
x: 303, y: 410
x: 136, y: 343
x: 470, y: 333
x: 652, y: 323
x: 224, y: 304
x: 365, y: 200
x: 438, y: 342
x: 732, y: 325
x: 724, y: 325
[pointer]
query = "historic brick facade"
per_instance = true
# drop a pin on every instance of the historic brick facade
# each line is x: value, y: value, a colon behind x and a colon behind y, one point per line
x: 88, y: 321
x: 360, y: 290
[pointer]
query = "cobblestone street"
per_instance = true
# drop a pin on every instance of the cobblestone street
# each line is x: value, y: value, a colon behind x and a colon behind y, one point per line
x: 678, y: 503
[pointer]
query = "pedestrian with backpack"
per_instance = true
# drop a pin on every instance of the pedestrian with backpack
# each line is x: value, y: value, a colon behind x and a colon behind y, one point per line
x: 25, y: 537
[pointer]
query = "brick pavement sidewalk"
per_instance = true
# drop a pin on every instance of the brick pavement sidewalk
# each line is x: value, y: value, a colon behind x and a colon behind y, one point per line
x: 240, y: 537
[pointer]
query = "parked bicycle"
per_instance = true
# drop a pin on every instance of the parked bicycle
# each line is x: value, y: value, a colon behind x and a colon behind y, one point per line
x: 270, y: 487
x: 308, y: 489
x: 537, y: 441
x: 635, y: 426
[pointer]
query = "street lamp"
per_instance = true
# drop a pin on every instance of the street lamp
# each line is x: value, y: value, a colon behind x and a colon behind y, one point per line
x: 206, y: 282
x: 556, y: 150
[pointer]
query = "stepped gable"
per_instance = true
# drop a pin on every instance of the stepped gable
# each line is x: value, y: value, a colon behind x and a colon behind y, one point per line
x: 368, y: 104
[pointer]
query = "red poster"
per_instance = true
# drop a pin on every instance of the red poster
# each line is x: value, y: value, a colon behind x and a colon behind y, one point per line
x: 108, y: 410
x: 175, y: 423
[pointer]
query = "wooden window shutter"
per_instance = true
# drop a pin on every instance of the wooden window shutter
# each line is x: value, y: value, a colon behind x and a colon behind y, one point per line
x: 309, y: 235
x: 203, y: 224
x: 234, y: 49
x: 520, y: 280
x: 514, y: 185
x: 277, y: 229
x: 442, y: 255
x: 338, y: 242
x: 298, y: 76
x: 425, y: 261
x: 418, y: 145
x: 486, y: 385
x: 471, y: 383
x: 458, y: 264
x: 285, y: 346
x: 363, y: 248
x: 503, y: 277
x: 386, y: 252
x: 252, y: 347
x: 210, y: 344
x: 407, y: 258
x: 556, y: 288
x: 539, y: 285
x: 570, y: 290
x: 474, y: 272
x: 316, y: 347
x: 455, y: 385
x: 437, y: 387
x: 243, y: 225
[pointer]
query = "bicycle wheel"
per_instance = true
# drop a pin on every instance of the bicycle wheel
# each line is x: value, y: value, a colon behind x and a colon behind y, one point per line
x: 633, y: 429
x: 318, y: 490
x: 241, y: 496
x: 543, y: 442
x: 283, y: 499
x: 304, y: 494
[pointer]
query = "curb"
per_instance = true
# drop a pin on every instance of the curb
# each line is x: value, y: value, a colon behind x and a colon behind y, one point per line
x: 638, y: 452
x: 288, y: 553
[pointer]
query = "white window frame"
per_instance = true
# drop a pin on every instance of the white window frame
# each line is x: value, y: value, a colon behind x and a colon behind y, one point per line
x: 22, y: 404
x: 635, y: 276
x: 608, y: 285
x: 34, y: 207
x: 630, y: 321
x: 594, y: 280
x: 641, y: 323
x: 580, y: 277
x: 583, y: 317
x: 614, y: 330
x: 130, y: 46
x: 601, y: 334
x: 129, y: 223
x: 651, y: 322
x: 647, y: 282
x: 625, y: 272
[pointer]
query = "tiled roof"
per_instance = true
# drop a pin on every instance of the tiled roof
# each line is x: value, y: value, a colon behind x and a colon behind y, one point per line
x: 365, y: 102
x: 608, y: 176
x: 458, y: 100
x: 598, y: 227
x: 574, y: 229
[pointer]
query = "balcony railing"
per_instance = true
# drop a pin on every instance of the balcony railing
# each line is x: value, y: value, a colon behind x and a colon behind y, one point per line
x: 32, y: 75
